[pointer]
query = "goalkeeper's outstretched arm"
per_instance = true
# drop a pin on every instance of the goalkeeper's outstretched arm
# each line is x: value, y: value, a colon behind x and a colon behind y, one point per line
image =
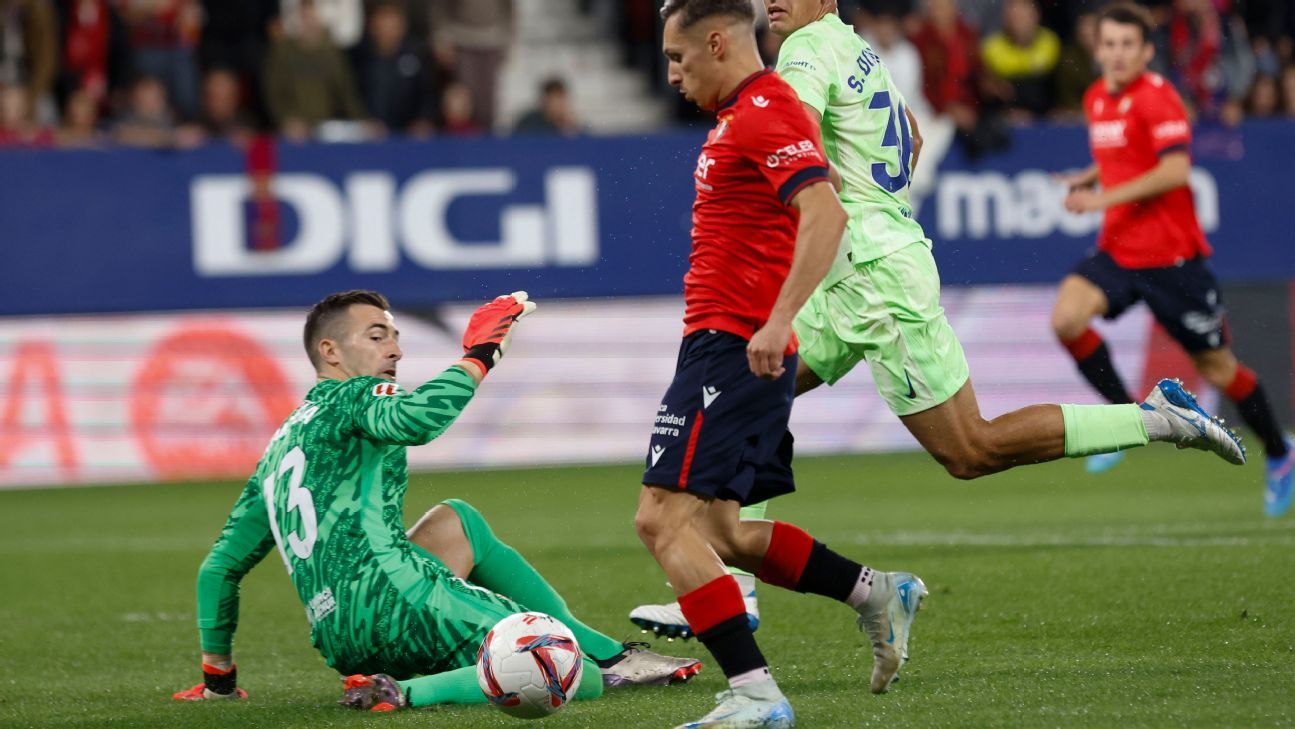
x: 418, y: 417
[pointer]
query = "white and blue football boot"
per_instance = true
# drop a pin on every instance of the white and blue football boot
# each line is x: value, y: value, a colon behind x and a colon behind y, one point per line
x: 887, y: 617
x: 1103, y: 462
x: 1189, y: 425
x: 1278, y: 475
x: 667, y: 620
x: 755, y: 706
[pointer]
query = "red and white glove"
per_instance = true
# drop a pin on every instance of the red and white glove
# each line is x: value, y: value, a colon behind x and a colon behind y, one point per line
x: 491, y: 328
x: 216, y: 684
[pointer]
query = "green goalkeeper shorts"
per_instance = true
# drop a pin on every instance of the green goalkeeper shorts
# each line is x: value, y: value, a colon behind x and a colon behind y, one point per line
x: 887, y: 312
x: 440, y: 633
x: 440, y: 623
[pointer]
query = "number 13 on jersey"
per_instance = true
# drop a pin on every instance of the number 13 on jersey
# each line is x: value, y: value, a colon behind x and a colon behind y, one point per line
x: 300, y: 500
x: 897, y: 135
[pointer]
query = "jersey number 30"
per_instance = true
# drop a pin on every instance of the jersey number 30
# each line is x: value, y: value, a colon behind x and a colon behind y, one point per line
x: 300, y: 499
x: 900, y: 137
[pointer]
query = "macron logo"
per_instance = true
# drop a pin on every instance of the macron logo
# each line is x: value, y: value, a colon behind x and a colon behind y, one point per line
x: 657, y: 450
x: 708, y: 395
x: 760, y: 101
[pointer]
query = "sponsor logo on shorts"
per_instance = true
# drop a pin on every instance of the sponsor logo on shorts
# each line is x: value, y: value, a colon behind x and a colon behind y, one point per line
x: 657, y: 450
x: 912, y: 393
x: 667, y: 423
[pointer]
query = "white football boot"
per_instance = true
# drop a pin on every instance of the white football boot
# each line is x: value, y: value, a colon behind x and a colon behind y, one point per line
x: 667, y: 620
x: 755, y: 706
x: 1189, y: 425
x: 887, y: 617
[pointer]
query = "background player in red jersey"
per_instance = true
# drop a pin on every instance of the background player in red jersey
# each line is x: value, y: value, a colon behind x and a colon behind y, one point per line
x: 766, y: 227
x: 1151, y: 247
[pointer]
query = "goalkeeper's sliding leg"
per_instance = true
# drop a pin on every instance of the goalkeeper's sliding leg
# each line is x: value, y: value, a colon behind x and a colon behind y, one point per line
x: 456, y: 534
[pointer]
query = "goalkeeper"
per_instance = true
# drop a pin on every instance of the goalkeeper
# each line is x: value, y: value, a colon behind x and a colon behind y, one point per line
x: 328, y: 494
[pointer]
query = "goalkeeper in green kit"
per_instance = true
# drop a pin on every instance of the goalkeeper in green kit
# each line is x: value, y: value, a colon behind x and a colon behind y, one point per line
x: 328, y: 494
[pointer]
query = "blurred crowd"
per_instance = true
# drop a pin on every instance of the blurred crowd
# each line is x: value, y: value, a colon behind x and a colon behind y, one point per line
x: 178, y: 73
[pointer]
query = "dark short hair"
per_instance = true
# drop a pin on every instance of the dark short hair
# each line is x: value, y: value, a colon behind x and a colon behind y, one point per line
x: 1128, y: 14
x: 691, y: 11
x: 554, y: 85
x: 324, y: 314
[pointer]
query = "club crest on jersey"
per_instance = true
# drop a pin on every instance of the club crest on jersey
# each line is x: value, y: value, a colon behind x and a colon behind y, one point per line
x: 1125, y: 103
x: 723, y: 127
x: 386, y: 389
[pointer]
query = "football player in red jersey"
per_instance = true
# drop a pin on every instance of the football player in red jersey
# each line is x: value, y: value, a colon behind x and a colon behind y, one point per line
x: 766, y: 227
x: 1151, y: 247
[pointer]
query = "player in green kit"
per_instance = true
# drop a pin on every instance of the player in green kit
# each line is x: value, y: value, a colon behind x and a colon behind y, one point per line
x: 880, y: 302
x: 328, y: 496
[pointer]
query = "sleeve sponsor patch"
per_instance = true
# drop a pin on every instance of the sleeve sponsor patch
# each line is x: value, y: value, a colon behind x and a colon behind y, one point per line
x: 386, y: 389
x: 1173, y: 129
x: 798, y: 63
x: 793, y: 152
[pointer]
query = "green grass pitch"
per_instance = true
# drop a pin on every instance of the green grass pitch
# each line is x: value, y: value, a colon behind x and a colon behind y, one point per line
x: 1155, y: 595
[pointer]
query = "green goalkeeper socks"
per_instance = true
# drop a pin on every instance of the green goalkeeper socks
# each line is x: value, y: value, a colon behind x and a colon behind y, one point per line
x: 460, y: 686
x: 501, y: 568
x: 1092, y: 429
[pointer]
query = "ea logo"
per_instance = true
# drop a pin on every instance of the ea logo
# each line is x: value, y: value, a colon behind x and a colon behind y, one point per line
x: 205, y: 400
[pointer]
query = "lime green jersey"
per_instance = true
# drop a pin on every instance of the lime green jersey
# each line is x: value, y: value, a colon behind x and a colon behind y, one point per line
x: 328, y: 496
x: 865, y: 131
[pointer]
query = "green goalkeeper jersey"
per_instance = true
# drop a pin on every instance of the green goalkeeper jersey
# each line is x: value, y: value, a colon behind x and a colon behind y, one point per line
x: 865, y: 133
x: 328, y: 496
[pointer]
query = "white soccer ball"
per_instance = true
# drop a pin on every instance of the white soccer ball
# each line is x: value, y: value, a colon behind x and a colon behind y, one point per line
x: 529, y: 665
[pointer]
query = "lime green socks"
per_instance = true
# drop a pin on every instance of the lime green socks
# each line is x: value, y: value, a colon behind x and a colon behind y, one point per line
x: 1092, y: 429
x: 460, y: 687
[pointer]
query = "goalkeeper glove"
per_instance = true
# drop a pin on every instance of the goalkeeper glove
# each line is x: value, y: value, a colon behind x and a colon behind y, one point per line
x: 491, y: 328
x: 216, y: 684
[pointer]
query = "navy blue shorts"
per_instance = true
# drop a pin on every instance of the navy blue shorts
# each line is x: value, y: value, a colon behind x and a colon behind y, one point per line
x: 721, y: 432
x: 1185, y: 299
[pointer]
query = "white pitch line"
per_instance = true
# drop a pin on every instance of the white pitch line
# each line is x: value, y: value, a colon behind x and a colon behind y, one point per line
x: 962, y: 539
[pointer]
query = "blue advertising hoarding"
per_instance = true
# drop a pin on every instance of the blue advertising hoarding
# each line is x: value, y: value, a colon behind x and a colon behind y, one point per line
x: 446, y: 220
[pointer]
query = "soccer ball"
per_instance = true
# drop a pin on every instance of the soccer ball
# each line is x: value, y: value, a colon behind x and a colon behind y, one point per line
x: 529, y: 665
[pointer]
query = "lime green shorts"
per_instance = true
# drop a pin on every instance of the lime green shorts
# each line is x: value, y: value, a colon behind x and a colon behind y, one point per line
x: 887, y: 312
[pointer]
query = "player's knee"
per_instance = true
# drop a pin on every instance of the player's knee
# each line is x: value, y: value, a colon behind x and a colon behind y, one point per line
x: 968, y: 460
x: 965, y: 468
x: 1066, y: 325
x: 475, y: 526
x: 727, y: 545
x: 1218, y: 371
x: 650, y: 524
